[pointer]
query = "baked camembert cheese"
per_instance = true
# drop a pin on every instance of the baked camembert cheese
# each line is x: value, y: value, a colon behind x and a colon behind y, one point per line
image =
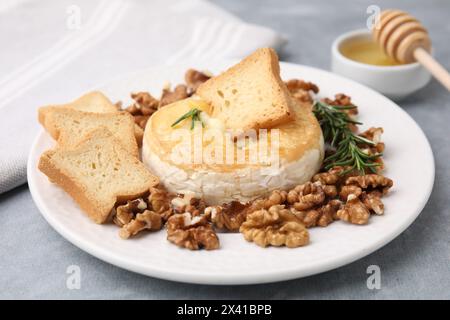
x: 218, y: 162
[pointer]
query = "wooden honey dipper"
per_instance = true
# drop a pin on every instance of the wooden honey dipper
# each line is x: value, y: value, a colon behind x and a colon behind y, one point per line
x: 404, y: 38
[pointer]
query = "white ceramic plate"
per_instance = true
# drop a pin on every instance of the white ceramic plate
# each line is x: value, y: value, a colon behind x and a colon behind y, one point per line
x: 409, y: 162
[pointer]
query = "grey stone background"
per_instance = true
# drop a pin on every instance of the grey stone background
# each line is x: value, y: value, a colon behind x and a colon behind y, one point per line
x: 415, y: 265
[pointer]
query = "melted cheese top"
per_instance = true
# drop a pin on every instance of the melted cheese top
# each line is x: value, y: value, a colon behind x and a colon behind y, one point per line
x: 296, y: 138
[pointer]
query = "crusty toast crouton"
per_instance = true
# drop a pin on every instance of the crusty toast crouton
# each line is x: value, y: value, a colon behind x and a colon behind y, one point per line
x: 69, y: 126
x: 97, y: 173
x: 251, y: 94
x: 95, y: 102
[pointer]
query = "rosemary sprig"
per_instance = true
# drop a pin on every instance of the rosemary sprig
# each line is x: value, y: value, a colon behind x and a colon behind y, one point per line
x: 335, y: 122
x: 194, y: 113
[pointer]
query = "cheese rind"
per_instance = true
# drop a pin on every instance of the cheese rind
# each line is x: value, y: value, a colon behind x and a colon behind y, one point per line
x: 242, y: 185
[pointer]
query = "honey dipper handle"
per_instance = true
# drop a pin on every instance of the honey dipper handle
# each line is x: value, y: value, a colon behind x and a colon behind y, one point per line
x: 433, y: 66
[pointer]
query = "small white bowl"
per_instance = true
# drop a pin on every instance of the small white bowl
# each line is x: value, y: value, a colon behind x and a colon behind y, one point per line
x: 395, y: 82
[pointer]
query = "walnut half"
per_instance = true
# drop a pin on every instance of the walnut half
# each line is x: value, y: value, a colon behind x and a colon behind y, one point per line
x: 191, y: 232
x: 125, y: 213
x: 319, y: 217
x: 148, y: 220
x: 194, y: 79
x: 354, y: 211
x: 300, y: 90
x: 371, y: 182
x: 276, y: 226
x: 143, y: 107
x: 229, y: 216
x: 306, y: 196
x: 168, y: 96
x: 159, y: 201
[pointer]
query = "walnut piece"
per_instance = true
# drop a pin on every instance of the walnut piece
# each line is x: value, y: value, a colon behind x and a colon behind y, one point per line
x: 191, y: 232
x: 188, y: 203
x: 306, y: 196
x: 372, y: 201
x: 343, y: 100
x: 168, y: 96
x: 354, y: 211
x: 371, y: 182
x: 321, y: 216
x: 327, y: 178
x: 196, y: 206
x: 274, y: 198
x: 330, y: 181
x: 348, y: 190
x: 330, y: 191
x: 333, y: 177
x: 145, y: 102
x: 141, y: 121
x: 125, y: 213
x: 300, y: 90
x: 159, y: 202
x: 373, y: 134
x: 143, y: 107
x: 148, y: 220
x: 276, y: 226
x: 328, y: 213
x: 194, y: 79
x: 229, y: 216
x: 143, y: 214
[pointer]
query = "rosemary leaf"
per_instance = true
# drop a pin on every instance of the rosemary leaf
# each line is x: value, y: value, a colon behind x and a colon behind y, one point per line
x: 194, y: 114
x: 334, y: 122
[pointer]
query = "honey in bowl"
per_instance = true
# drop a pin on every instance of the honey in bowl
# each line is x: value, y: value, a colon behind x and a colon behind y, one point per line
x: 365, y: 50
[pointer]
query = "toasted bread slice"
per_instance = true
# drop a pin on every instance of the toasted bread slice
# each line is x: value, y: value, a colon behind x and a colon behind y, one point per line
x: 97, y: 173
x: 251, y: 94
x: 95, y: 102
x: 69, y: 126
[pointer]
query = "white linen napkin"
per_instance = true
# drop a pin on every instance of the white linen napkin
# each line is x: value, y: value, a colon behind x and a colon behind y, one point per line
x: 53, y: 51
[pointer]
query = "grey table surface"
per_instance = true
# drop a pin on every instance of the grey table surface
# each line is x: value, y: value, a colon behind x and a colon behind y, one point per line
x: 414, y: 265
